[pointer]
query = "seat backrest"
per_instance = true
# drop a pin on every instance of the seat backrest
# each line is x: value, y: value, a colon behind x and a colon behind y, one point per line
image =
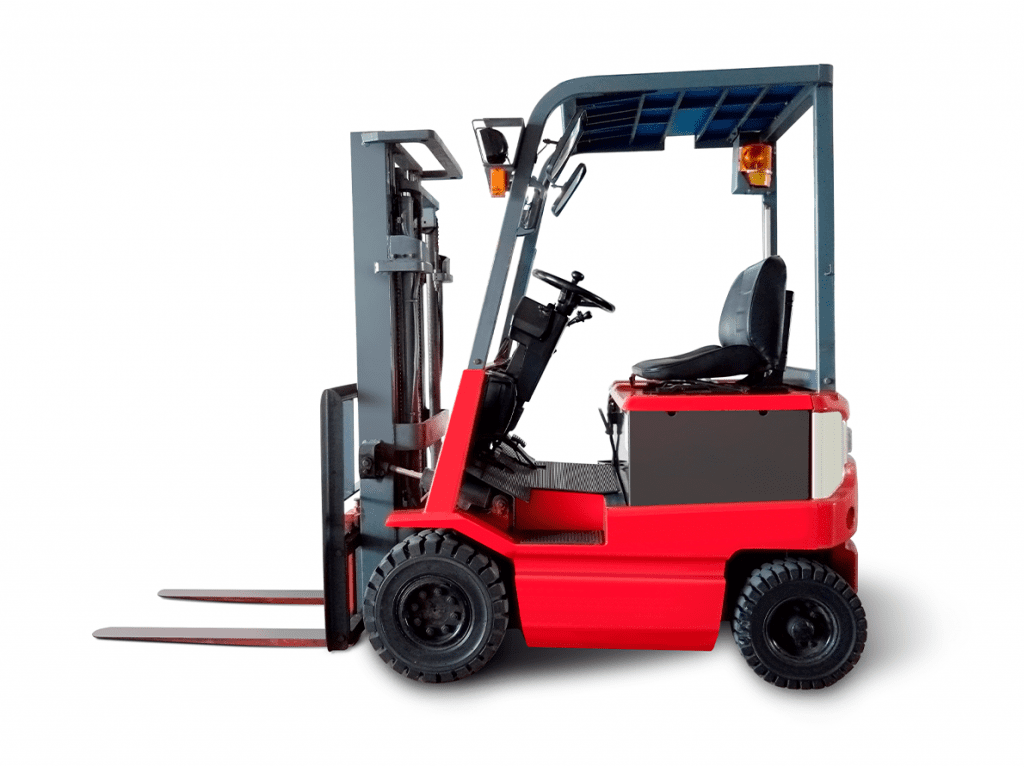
x: 755, y: 309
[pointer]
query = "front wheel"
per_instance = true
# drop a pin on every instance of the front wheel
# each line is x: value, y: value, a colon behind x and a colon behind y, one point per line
x: 799, y: 624
x: 436, y: 609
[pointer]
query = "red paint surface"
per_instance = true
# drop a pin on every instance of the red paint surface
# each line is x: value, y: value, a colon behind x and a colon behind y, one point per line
x: 635, y: 398
x: 843, y: 559
x: 559, y: 510
x: 351, y: 524
x: 444, y: 490
x: 350, y: 578
x: 658, y: 581
x: 830, y: 402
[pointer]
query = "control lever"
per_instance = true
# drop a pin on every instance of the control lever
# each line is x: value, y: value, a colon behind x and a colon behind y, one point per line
x: 580, y: 317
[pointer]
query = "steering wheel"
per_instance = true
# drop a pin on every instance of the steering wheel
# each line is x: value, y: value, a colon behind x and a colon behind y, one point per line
x: 585, y: 297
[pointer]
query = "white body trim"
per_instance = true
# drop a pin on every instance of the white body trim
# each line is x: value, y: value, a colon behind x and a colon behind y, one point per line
x: 829, y: 450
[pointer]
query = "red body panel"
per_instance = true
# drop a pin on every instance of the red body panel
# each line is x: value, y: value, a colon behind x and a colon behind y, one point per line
x: 655, y: 578
x: 829, y: 402
x: 451, y: 463
x: 633, y: 398
x: 558, y: 510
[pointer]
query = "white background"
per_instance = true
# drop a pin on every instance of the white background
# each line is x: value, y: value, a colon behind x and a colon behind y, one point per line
x: 175, y: 235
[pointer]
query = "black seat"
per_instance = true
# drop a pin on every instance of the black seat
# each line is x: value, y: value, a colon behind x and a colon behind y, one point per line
x: 750, y: 331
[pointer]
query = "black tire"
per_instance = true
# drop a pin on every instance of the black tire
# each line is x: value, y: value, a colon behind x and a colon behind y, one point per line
x: 799, y: 624
x: 436, y: 609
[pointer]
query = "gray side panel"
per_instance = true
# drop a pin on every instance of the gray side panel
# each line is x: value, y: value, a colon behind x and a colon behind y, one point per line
x: 718, y: 457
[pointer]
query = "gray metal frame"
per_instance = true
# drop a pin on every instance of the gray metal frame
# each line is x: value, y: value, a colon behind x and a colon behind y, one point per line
x: 338, y: 484
x: 815, y: 94
x: 399, y: 275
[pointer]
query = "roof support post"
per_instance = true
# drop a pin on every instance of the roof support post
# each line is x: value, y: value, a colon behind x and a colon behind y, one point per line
x: 824, y: 239
x: 770, y: 210
x: 770, y: 224
x: 506, y: 244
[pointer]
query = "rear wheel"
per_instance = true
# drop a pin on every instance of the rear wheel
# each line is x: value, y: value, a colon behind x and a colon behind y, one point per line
x: 436, y: 609
x: 799, y: 624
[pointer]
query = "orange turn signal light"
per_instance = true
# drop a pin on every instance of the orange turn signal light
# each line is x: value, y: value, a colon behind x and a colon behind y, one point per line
x: 499, y: 182
x: 756, y: 164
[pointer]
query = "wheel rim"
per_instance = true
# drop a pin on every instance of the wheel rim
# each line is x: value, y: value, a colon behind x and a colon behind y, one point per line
x: 802, y: 630
x: 434, y: 611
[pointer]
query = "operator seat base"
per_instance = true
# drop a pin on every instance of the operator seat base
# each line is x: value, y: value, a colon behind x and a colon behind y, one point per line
x: 705, y: 362
x: 751, y: 331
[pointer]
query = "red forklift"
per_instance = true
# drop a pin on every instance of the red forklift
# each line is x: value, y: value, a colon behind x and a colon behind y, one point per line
x: 729, y: 493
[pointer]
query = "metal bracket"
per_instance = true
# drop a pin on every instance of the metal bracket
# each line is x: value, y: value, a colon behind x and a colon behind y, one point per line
x: 405, y: 254
x: 444, y: 271
x: 403, y: 265
x: 375, y: 456
x: 417, y: 436
x: 372, y: 459
x: 402, y: 245
x: 450, y: 168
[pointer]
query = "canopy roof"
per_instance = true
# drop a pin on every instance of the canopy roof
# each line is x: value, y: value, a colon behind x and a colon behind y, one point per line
x: 630, y: 113
x: 622, y: 122
x: 638, y: 112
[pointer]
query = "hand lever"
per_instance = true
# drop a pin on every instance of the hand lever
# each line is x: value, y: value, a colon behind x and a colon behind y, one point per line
x: 580, y: 317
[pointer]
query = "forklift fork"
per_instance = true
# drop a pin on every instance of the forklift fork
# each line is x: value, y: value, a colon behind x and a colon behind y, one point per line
x: 343, y: 622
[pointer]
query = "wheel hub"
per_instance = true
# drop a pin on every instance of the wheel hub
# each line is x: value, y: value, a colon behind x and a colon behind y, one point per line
x: 802, y: 629
x: 434, y: 612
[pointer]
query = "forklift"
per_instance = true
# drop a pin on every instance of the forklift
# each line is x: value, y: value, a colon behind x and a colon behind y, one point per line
x: 729, y: 494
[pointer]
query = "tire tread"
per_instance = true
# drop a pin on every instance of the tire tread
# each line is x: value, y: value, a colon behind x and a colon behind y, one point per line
x: 444, y: 544
x: 772, y: 575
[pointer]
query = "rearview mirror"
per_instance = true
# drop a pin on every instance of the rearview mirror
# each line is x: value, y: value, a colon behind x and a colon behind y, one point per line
x: 564, y: 149
x: 568, y: 189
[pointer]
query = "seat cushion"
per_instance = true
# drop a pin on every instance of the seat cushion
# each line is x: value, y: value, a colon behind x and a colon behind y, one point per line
x: 706, y: 362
